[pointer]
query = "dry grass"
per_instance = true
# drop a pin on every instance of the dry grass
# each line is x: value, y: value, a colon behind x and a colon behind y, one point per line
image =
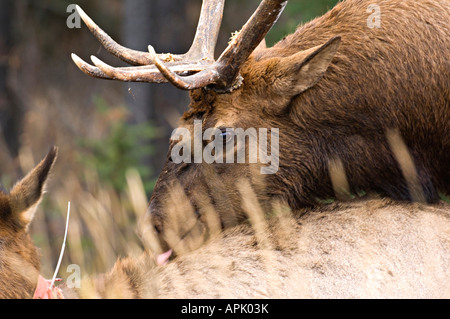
x: 104, y: 220
x: 103, y: 223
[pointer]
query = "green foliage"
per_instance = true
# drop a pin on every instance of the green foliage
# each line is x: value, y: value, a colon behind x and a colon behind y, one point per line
x: 298, y: 12
x: 444, y: 197
x: 121, y: 146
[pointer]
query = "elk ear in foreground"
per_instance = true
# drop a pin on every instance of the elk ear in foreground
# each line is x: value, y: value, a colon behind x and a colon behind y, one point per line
x: 26, y: 194
x: 19, y: 258
x: 299, y: 72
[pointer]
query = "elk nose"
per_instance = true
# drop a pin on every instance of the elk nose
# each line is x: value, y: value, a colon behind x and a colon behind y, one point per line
x: 163, y: 258
x: 156, y: 221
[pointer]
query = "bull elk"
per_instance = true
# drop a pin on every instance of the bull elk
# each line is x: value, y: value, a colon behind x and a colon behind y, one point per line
x: 358, y: 108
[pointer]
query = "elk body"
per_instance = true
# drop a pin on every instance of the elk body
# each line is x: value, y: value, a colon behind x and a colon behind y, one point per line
x: 360, y: 249
x: 369, y: 104
x: 355, y: 250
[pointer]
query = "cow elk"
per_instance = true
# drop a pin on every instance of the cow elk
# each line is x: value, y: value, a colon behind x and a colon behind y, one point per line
x: 361, y: 249
x: 19, y: 258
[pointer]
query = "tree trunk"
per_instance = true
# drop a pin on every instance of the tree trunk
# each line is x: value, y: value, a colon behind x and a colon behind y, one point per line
x: 165, y: 25
x: 10, y: 112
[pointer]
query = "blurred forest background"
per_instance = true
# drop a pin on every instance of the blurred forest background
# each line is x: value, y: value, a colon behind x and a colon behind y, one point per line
x: 112, y: 136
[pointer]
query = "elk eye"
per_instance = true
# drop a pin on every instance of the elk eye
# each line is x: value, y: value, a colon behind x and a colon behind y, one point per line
x: 226, y: 135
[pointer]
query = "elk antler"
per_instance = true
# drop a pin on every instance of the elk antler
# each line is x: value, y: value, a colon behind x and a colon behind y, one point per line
x: 196, y: 68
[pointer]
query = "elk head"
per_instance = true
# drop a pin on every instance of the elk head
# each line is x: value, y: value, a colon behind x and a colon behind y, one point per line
x: 233, y: 99
x: 333, y: 112
x: 19, y: 258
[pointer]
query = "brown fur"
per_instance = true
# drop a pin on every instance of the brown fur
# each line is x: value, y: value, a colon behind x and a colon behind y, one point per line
x: 19, y: 258
x: 353, y: 250
x: 334, y: 88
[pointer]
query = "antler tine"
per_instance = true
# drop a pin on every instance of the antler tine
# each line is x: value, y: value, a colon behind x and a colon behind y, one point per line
x: 130, y: 56
x: 147, y: 74
x: 130, y: 74
x: 202, y: 47
x: 196, y: 68
x: 246, y: 41
x: 89, y: 69
x: 200, y: 79
x: 199, y: 56
x: 224, y: 74
x: 208, y: 28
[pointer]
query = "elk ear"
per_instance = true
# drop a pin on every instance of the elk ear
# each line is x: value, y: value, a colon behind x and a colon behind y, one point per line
x: 27, y: 193
x: 301, y: 71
